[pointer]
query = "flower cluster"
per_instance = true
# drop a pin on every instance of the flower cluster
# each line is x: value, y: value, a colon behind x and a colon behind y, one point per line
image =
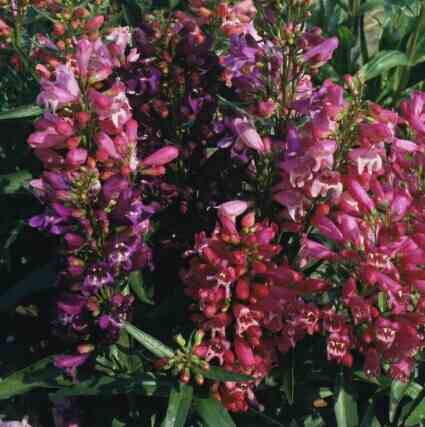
x: 95, y: 166
x: 249, y: 306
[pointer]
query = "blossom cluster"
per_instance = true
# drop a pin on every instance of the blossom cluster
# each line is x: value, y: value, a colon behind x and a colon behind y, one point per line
x: 250, y: 306
x: 94, y: 173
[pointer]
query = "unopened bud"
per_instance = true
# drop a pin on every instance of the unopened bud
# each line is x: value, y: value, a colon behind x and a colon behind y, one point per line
x: 180, y: 340
x: 199, y: 336
x: 85, y: 348
x: 185, y: 376
x: 199, y: 379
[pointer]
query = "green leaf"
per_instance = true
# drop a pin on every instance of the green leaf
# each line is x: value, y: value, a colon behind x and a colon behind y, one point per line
x: 398, y: 390
x: 380, y: 63
x: 314, y: 421
x: 370, y: 5
x: 21, y: 112
x: 220, y: 374
x: 213, y: 413
x: 149, y: 342
x: 13, y: 182
x: 144, y: 384
x: 370, y: 419
x: 178, y: 406
x: 345, y: 405
x: 288, y: 380
x: 38, y: 280
x: 417, y: 415
x: 42, y: 374
x: 382, y: 381
x: 413, y: 390
x: 135, y: 281
x: 172, y: 4
x: 117, y: 423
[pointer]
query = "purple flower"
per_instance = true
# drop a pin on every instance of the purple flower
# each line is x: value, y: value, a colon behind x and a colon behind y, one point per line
x: 97, y: 277
x: 51, y: 223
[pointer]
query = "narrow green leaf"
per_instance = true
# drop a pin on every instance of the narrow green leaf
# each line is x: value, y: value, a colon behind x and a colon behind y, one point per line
x: 42, y: 374
x: 220, y: 374
x: 398, y: 390
x: 149, y: 342
x: 288, y: 381
x: 213, y: 413
x: 417, y: 415
x: 117, y: 423
x: 178, y: 406
x: 146, y: 385
x: 370, y: 419
x: 380, y: 63
x: 38, y: 280
x: 135, y: 280
x: 21, y: 112
x: 345, y: 406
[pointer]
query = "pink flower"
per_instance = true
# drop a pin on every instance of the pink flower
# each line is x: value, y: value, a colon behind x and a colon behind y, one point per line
x: 315, y: 250
x: 94, y: 60
x: 244, y: 352
x: 359, y: 193
x: 119, y: 39
x: 76, y: 157
x: 327, y: 182
x: 400, y: 205
x: 293, y: 201
x: 321, y: 53
x: 161, y: 157
x: 366, y: 159
x: 233, y: 208
x: 107, y: 146
x: 337, y: 346
x: 299, y: 170
x: 63, y: 91
x: 372, y: 364
x: 413, y: 111
x: 83, y: 53
x: 48, y: 138
x: 328, y: 228
x: 402, y: 369
x: 112, y: 107
x: 248, y: 135
x: 238, y: 19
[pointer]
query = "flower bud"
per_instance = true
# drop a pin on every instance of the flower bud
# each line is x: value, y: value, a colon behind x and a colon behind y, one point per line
x: 95, y: 23
x: 242, y: 290
x: 248, y: 220
x: 85, y: 348
x: 185, y: 376
x: 199, y: 336
x: 161, y: 157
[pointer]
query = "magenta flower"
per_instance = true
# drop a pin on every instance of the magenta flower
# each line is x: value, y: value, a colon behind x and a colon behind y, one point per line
x: 70, y: 363
x: 63, y: 91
